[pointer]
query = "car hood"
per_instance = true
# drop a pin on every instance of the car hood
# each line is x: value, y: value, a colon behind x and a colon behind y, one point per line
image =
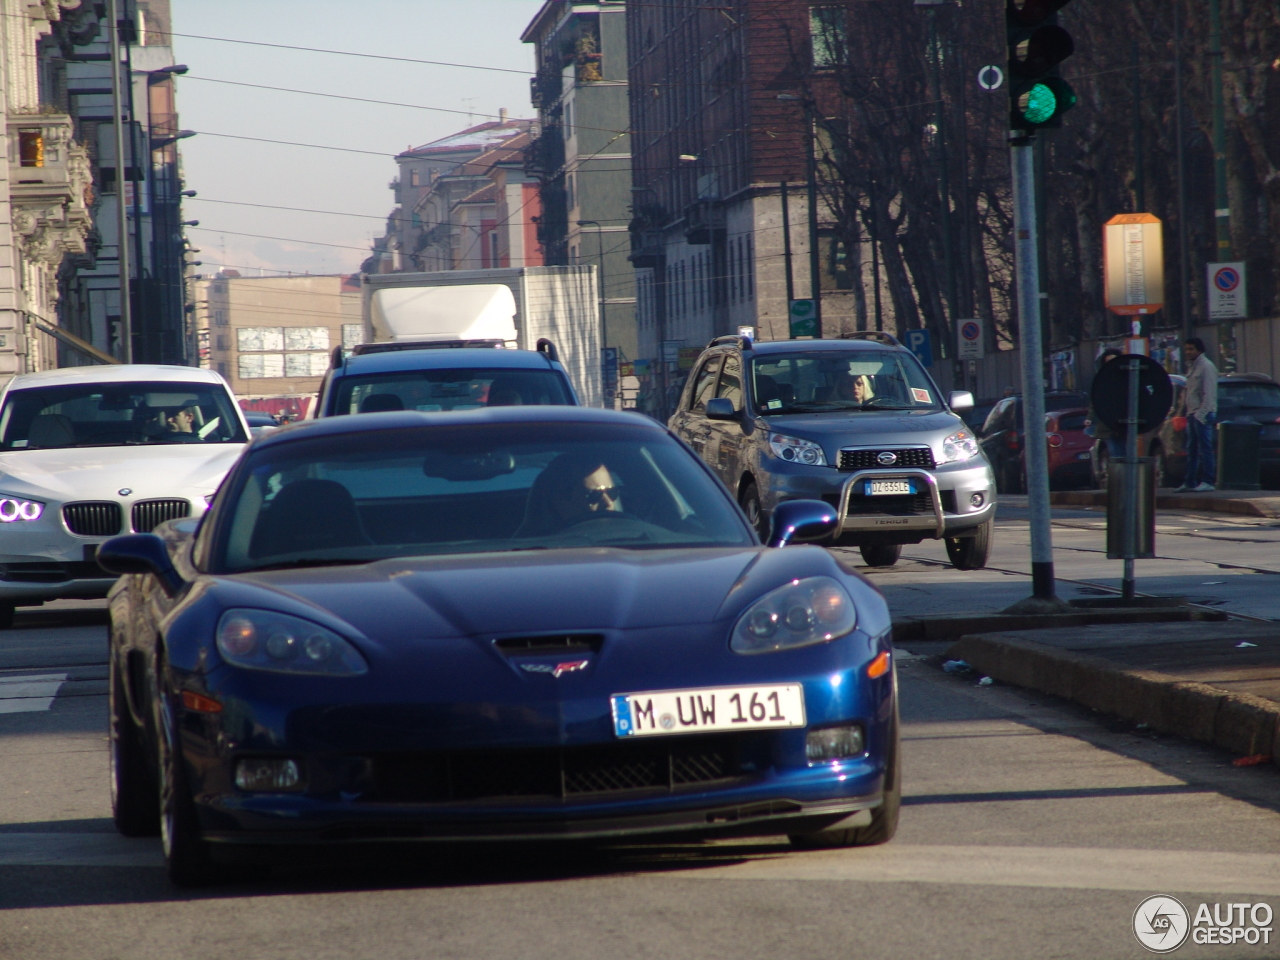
x: 534, y: 592
x: 868, y: 426
x: 89, y: 473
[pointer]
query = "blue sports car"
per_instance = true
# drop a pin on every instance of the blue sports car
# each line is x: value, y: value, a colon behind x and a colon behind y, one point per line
x: 511, y: 623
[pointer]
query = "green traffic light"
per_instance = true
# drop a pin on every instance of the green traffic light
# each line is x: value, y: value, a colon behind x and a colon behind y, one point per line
x: 1038, y: 105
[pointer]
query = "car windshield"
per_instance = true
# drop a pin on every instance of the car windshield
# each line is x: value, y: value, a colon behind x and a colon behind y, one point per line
x: 118, y: 414
x: 828, y: 380
x: 435, y: 390
x: 1252, y: 396
x: 481, y: 487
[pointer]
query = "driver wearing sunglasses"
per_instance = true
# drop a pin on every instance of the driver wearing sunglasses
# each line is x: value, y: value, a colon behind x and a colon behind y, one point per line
x: 595, y: 490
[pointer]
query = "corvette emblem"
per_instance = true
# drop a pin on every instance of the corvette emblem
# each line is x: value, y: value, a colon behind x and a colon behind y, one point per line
x: 560, y: 669
x: 886, y: 458
x: 124, y: 491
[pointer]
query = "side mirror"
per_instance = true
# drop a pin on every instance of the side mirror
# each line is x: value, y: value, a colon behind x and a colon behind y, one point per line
x: 721, y: 408
x: 798, y: 521
x: 960, y: 400
x: 140, y: 553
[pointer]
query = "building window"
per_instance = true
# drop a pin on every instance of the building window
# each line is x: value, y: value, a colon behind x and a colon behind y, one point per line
x: 224, y: 371
x: 222, y: 343
x: 568, y: 121
x: 415, y: 178
x: 827, y: 36
x: 751, y: 267
x: 352, y: 335
x: 305, y: 364
x: 31, y: 148
x: 259, y: 366
x: 306, y: 338
x: 570, y: 191
x: 259, y: 338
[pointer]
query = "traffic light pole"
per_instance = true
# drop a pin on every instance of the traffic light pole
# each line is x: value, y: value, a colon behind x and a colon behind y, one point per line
x: 1035, y: 446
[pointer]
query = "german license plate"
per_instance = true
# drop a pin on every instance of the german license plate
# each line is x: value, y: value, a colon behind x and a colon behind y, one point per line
x: 888, y: 488
x: 662, y: 712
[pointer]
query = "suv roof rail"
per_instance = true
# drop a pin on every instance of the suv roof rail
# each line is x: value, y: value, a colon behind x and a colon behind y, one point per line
x: 736, y: 339
x: 365, y: 348
x: 880, y: 335
x: 548, y: 349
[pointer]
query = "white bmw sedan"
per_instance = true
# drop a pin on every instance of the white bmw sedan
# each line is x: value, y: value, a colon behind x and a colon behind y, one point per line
x: 90, y: 452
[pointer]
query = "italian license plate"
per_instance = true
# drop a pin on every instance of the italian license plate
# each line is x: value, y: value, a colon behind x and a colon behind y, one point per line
x: 662, y: 712
x: 888, y: 488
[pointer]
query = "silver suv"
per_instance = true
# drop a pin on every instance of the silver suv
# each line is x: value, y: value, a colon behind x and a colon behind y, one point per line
x: 856, y: 422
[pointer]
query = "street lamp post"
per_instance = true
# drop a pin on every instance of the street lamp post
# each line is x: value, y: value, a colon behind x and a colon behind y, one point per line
x: 122, y: 207
x: 811, y: 167
x: 604, y: 323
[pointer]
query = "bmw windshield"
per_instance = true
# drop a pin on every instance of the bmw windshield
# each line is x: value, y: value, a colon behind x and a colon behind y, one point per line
x: 366, y: 496
x: 826, y: 380
x: 119, y: 414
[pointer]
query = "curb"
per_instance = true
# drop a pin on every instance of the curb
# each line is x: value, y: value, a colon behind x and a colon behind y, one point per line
x: 1268, y: 507
x: 946, y: 627
x: 1239, y: 722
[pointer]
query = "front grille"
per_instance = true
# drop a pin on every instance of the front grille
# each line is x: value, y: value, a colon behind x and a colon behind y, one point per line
x: 559, y: 643
x: 92, y: 518
x: 866, y: 459
x: 51, y: 572
x: 904, y: 506
x: 556, y: 773
x: 149, y: 514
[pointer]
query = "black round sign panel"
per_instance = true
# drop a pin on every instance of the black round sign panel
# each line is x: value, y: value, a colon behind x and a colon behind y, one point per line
x: 1110, y: 393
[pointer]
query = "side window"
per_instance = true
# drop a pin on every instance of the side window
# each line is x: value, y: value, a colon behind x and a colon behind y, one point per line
x: 704, y: 384
x: 731, y: 380
x: 1000, y: 418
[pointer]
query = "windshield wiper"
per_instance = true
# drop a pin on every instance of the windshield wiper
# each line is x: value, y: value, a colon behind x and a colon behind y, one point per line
x: 315, y: 562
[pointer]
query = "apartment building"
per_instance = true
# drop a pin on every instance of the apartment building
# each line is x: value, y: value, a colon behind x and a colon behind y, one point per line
x: 272, y: 337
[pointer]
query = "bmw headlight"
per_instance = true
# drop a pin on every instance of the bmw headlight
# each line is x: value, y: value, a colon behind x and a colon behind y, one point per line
x: 263, y: 640
x: 961, y: 445
x: 800, y: 614
x: 795, y: 450
x: 16, y: 509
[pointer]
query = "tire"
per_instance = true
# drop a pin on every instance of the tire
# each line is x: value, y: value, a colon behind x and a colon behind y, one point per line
x: 880, y: 554
x: 186, y: 855
x: 750, y: 503
x: 970, y: 553
x: 884, y: 818
x: 135, y: 803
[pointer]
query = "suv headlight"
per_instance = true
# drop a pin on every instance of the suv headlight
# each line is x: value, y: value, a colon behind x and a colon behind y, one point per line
x: 795, y: 450
x: 961, y: 445
x: 800, y: 614
x: 263, y: 640
x: 17, y: 508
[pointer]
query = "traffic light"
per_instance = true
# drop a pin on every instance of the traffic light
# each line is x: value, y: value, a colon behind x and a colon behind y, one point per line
x: 1038, y: 95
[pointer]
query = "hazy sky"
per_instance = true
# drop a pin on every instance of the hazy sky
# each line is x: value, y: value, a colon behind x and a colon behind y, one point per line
x: 483, y: 32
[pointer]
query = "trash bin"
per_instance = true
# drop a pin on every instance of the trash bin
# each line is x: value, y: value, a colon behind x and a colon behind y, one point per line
x: 1117, y: 509
x: 1238, y: 455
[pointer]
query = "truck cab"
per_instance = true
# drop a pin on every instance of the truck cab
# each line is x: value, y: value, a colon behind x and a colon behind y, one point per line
x: 442, y: 375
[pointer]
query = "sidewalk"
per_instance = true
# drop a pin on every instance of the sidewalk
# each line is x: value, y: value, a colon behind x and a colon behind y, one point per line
x: 1249, y: 503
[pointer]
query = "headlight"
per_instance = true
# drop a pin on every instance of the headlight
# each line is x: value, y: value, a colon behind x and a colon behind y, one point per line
x: 802, y: 613
x: 15, y: 508
x: 262, y: 640
x: 961, y: 445
x: 795, y: 450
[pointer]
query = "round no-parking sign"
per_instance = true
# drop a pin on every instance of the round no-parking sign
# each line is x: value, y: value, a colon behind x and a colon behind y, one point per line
x: 1226, y: 279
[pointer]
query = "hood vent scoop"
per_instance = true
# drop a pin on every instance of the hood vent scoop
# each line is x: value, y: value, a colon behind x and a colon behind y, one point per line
x: 554, y: 644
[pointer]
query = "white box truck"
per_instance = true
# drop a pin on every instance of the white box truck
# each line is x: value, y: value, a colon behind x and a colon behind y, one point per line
x: 517, y: 305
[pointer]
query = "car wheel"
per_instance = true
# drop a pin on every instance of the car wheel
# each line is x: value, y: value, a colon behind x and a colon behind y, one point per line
x: 880, y: 554
x: 750, y: 501
x: 7, y: 611
x: 970, y: 553
x: 884, y: 818
x: 134, y: 798
x: 186, y: 854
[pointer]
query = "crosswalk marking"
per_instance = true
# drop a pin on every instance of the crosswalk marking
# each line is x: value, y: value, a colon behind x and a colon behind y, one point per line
x: 24, y: 694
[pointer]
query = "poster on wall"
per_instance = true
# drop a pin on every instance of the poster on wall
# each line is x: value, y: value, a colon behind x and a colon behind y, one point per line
x: 1062, y: 370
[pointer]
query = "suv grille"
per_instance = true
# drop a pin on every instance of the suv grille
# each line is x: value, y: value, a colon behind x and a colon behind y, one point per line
x: 555, y: 773
x: 149, y: 514
x: 866, y: 459
x: 92, y: 518
x: 904, y: 506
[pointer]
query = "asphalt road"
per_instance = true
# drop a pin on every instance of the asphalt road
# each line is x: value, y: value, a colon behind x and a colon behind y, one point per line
x: 1029, y: 829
